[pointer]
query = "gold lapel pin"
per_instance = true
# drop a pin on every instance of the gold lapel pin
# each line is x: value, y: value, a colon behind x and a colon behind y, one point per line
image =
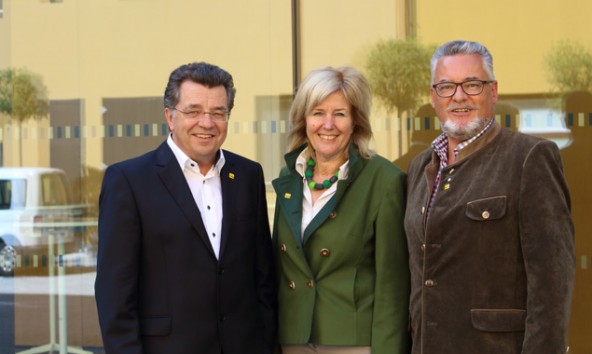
x: 287, y: 195
x: 231, y: 175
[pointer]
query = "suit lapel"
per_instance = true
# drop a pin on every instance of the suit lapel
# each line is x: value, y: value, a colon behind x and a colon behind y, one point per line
x: 319, y: 219
x: 229, y: 180
x: 289, y: 195
x: 173, y: 179
x: 327, y: 210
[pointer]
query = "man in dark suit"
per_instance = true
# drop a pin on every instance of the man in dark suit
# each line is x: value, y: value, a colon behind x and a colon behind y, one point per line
x: 184, y: 261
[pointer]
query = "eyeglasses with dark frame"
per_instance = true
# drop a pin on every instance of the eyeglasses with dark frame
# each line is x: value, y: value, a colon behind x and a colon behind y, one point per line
x: 470, y: 87
x: 220, y: 116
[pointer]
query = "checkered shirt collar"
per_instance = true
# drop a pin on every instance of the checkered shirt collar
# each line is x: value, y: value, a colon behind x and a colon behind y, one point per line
x: 440, y: 144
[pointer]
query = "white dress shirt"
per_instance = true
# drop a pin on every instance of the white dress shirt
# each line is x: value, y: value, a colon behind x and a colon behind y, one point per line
x: 206, y: 191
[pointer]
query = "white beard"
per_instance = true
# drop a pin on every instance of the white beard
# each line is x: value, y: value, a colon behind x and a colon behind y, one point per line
x: 466, y: 130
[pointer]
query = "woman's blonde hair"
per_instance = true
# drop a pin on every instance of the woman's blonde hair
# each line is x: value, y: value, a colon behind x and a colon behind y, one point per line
x: 318, y: 85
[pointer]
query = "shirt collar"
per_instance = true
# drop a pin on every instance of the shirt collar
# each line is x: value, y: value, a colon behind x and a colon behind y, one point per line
x: 440, y: 144
x: 187, y: 163
x: 464, y: 144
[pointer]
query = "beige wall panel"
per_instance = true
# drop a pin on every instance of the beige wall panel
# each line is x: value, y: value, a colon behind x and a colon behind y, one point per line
x: 337, y: 32
x: 113, y: 48
x: 5, y: 42
x: 518, y: 33
x: 342, y: 32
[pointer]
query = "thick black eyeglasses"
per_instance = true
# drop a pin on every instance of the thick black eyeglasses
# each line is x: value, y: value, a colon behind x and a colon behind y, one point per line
x: 470, y: 87
x: 217, y: 116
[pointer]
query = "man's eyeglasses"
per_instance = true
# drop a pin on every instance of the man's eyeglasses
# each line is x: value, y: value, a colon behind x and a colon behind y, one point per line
x: 470, y: 87
x: 216, y: 116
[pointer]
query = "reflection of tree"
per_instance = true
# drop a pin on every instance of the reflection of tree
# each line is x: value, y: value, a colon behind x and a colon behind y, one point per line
x: 22, y: 96
x: 569, y: 65
x: 399, y: 73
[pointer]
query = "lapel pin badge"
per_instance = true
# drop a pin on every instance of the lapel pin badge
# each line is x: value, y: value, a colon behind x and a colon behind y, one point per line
x: 446, y: 186
x: 287, y: 195
x: 231, y: 175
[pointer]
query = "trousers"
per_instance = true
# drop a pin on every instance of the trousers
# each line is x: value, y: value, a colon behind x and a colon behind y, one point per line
x: 323, y: 349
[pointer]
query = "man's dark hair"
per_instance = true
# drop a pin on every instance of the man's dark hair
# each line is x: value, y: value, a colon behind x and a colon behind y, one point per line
x: 201, y: 73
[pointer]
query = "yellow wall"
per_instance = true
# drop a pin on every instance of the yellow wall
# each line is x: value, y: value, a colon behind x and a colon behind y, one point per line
x: 338, y: 32
x: 126, y: 48
x: 114, y: 48
x: 518, y: 33
x: 5, y: 42
x: 95, y: 49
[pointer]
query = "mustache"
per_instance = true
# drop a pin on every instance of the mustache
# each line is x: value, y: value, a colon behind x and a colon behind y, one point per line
x: 464, y: 106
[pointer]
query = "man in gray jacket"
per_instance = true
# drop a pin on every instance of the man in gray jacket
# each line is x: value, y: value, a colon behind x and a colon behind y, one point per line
x: 488, y: 223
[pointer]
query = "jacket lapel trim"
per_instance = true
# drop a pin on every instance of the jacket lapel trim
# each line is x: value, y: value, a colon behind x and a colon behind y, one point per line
x: 228, y: 179
x: 176, y: 184
x: 289, y: 190
x: 289, y: 196
x: 319, y: 219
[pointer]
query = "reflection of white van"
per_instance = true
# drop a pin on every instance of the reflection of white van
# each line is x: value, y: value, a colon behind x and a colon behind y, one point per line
x: 35, y: 204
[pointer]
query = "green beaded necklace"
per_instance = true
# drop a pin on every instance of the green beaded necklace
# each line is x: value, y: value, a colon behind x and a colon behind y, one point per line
x: 314, y: 185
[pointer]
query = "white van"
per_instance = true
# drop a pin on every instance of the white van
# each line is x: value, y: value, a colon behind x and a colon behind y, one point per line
x: 35, y: 212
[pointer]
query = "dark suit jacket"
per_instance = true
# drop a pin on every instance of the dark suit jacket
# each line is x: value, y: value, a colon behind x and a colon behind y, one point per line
x: 492, y: 264
x: 159, y: 287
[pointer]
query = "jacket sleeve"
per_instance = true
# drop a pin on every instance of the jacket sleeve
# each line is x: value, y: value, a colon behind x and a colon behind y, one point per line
x: 116, y: 284
x: 266, y: 276
x: 391, y: 295
x: 547, y: 239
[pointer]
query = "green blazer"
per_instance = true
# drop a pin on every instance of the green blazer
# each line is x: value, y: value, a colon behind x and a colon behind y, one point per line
x: 346, y: 282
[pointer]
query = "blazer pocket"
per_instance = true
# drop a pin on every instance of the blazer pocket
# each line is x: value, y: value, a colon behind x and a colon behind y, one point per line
x: 495, y: 320
x: 155, y: 326
x: 487, y: 208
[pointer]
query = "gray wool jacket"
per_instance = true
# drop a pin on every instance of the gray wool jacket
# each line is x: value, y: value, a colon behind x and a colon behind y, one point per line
x: 492, y: 264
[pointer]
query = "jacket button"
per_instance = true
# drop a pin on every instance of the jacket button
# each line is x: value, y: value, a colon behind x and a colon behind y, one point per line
x: 485, y: 215
x: 283, y: 248
x: 423, y: 247
x: 309, y: 284
x: 429, y: 283
x: 333, y: 214
x: 325, y: 252
x: 292, y: 285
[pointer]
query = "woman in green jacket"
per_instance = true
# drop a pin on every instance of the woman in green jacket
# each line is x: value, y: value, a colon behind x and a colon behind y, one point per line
x: 338, y: 228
